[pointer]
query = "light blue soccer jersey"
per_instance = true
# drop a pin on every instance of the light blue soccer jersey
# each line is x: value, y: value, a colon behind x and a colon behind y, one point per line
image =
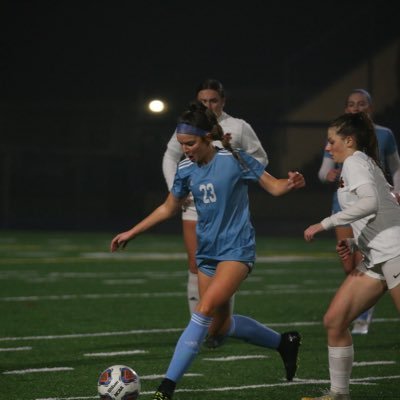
x: 386, y: 145
x: 220, y: 191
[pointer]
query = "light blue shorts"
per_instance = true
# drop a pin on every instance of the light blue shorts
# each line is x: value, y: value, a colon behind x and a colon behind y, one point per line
x: 208, y: 267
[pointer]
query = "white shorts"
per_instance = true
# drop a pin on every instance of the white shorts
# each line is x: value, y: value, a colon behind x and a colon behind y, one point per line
x: 388, y: 271
x: 189, y: 212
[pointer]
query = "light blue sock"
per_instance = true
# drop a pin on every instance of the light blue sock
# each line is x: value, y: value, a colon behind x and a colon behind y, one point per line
x: 253, y: 332
x: 188, y: 346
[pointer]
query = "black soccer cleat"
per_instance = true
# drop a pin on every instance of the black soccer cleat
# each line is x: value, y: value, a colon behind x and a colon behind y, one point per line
x: 161, y: 396
x: 212, y: 342
x: 289, y: 349
x: 165, y: 390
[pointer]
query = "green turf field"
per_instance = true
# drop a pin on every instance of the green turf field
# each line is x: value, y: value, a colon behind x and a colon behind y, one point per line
x: 69, y: 309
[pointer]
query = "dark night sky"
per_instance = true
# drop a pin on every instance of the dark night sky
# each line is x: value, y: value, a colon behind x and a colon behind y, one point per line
x: 75, y: 77
x: 98, y: 49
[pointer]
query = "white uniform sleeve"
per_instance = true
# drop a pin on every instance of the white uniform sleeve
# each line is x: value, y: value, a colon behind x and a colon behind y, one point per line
x: 251, y: 144
x: 393, y: 162
x: 171, y: 158
x: 365, y: 206
x: 326, y: 166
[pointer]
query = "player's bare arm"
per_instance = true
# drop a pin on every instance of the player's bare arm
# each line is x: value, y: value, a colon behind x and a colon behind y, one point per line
x: 168, y: 209
x: 278, y: 187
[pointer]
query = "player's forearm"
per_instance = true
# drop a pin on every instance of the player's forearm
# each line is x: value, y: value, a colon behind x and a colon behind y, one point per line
x: 160, y: 214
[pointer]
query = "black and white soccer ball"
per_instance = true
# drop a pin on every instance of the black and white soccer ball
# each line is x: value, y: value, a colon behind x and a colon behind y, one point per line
x: 118, y: 382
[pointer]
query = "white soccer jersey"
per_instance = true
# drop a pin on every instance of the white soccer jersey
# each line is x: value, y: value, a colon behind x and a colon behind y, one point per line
x: 377, y: 235
x: 242, y: 137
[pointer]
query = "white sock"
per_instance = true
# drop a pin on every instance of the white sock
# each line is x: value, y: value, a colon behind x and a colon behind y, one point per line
x: 340, y: 366
x: 192, y: 292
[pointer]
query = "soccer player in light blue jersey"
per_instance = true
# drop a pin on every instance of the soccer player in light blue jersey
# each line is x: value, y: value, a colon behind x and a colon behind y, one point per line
x: 211, y: 93
x: 218, y: 180
x: 359, y: 100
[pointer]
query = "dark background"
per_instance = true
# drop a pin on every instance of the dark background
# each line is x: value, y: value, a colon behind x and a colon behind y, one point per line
x: 78, y: 149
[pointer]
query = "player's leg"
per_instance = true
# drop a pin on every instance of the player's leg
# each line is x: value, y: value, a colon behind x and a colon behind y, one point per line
x: 362, y: 322
x: 395, y: 294
x: 189, y: 220
x: 246, y: 328
x: 391, y: 271
x: 357, y: 293
x: 213, y: 295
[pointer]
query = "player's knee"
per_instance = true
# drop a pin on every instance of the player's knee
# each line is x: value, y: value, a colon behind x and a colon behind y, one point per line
x: 329, y: 321
x: 205, y: 308
x: 334, y: 323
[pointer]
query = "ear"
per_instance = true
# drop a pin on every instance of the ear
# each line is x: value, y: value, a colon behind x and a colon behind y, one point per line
x: 208, y: 137
x: 349, y: 140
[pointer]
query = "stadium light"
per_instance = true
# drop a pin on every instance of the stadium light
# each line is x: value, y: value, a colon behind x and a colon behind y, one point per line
x: 156, y: 106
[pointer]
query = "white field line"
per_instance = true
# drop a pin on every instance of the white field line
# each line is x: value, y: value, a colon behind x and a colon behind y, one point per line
x: 88, y: 335
x: 235, y: 358
x: 161, y: 376
x: 296, y: 382
x: 96, y: 296
x: 368, y: 363
x: 34, y: 370
x: 123, y: 281
x: 116, y: 353
x: 165, y: 330
x: 52, y: 257
x: 42, y: 258
x: 15, y: 348
x: 183, y: 256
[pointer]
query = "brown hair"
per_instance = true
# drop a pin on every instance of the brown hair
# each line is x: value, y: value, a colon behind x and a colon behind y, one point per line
x: 361, y: 128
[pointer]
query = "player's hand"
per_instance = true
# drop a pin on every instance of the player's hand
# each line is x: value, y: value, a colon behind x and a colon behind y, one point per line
x: 296, y: 180
x: 187, y: 202
x: 343, y: 249
x: 333, y: 175
x: 311, y: 231
x: 120, y: 241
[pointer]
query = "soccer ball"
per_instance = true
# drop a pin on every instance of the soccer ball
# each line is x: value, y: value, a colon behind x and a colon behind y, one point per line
x: 118, y: 382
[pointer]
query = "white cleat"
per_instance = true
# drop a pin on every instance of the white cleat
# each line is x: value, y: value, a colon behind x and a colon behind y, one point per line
x: 360, y: 327
x: 361, y: 324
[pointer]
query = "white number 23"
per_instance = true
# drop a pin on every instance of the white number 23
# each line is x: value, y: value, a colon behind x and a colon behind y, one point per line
x: 209, y: 195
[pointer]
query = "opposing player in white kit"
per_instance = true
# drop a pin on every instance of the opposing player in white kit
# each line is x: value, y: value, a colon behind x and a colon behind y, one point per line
x: 211, y: 93
x: 374, y: 214
x: 359, y: 100
x: 218, y: 180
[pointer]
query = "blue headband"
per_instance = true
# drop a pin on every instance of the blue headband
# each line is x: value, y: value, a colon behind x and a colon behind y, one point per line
x: 190, y: 129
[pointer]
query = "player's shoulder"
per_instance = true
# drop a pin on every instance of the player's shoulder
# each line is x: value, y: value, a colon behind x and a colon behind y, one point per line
x: 357, y: 158
x: 185, y: 165
x: 224, y: 153
x: 232, y: 123
x: 382, y: 131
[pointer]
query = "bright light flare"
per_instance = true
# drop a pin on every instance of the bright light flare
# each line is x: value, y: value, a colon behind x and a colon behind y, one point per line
x: 156, y: 106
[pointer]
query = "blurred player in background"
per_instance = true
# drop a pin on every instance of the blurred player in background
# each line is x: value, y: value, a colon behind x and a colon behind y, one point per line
x: 218, y: 180
x: 212, y: 94
x: 360, y: 100
x: 368, y: 204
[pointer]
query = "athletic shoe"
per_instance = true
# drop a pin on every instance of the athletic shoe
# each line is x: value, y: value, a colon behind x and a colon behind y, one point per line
x: 329, y: 396
x: 161, y: 396
x: 360, y: 327
x: 361, y: 324
x: 289, y: 349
